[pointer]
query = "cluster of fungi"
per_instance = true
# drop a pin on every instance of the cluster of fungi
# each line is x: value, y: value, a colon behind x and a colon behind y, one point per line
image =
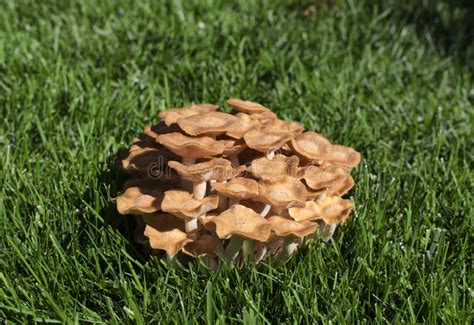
x: 232, y: 187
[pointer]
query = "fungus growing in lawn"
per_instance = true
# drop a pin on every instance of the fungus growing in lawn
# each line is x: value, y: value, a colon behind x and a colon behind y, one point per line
x: 266, y: 142
x: 172, y: 115
x: 226, y: 187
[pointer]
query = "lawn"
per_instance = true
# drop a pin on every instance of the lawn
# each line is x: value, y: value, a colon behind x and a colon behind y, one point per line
x: 79, y: 79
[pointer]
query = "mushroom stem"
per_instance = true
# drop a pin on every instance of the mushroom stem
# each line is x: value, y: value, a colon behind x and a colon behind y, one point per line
x: 328, y: 230
x: 199, y: 190
x: 188, y: 160
x: 232, y: 249
x: 233, y: 201
x: 234, y: 159
x: 290, y: 245
x: 247, y: 248
x: 261, y: 251
x: 191, y: 225
x: 270, y: 155
x: 265, y: 210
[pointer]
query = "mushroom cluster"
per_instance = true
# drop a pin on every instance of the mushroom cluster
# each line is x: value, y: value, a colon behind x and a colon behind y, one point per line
x: 232, y: 187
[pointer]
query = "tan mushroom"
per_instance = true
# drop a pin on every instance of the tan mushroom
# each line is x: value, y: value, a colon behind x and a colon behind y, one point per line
x: 242, y: 222
x: 172, y: 115
x: 183, y: 205
x: 283, y: 193
x: 153, y: 131
x: 324, y: 176
x: 233, y: 152
x: 284, y: 227
x: 251, y: 108
x: 332, y: 210
x: 315, y: 147
x: 215, y: 169
x: 280, y: 126
x: 266, y: 142
x: 279, y: 167
x: 191, y: 148
x: 147, y: 160
x: 343, y: 156
x: 166, y: 232
x: 311, y: 145
x: 244, y: 125
x: 141, y: 197
x: 237, y: 189
x: 210, y: 124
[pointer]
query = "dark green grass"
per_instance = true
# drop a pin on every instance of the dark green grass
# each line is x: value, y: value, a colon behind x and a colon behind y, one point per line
x: 79, y: 80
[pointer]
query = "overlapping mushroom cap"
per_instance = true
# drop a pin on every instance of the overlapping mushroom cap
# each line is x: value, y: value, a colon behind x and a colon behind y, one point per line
x: 205, y: 183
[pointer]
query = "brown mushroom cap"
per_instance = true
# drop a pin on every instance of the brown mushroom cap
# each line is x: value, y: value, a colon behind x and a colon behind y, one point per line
x: 342, y: 188
x: 284, y: 227
x: 311, y: 145
x: 140, y: 197
x: 166, y: 232
x: 141, y: 160
x: 343, y: 156
x: 279, y: 167
x: 204, y: 245
x: 216, y: 169
x: 237, y: 148
x: 280, y: 126
x: 251, y: 108
x: 183, y: 205
x: 193, y: 147
x: 153, y: 131
x: 331, y: 210
x: 172, y: 115
x: 283, y: 193
x: 315, y: 147
x: 239, y: 188
x: 244, y: 124
x: 266, y: 141
x: 212, y: 124
x: 323, y: 177
x: 243, y: 222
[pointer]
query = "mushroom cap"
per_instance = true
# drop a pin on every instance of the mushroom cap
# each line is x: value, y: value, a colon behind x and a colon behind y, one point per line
x: 342, y: 156
x: 204, y: 245
x: 193, y: 147
x: 140, y: 197
x: 237, y: 148
x: 172, y: 115
x: 243, y: 222
x: 281, y: 126
x: 250, y: 108
x: 166, y: 232
x: 279, y: 167
x: 216, y: 169
x: 283, y: 193
x: 332, y: 210
x: 311, y: 145
x: 153, y: 131
x: 323, y: 177
x: 239, y: 188
x: 284, y: 227
x: 244, y: 124
x: 212, y: 123
x: 266, y: 141
x: 183, y: 205
x: 342, y: 188
x: 141, y: 160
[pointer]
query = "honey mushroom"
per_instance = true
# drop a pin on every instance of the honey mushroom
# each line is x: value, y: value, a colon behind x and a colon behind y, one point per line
x: 285, y: 197
x: 239, y: 223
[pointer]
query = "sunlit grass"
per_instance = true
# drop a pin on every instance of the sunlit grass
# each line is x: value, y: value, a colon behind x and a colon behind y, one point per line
x: 78, y: 81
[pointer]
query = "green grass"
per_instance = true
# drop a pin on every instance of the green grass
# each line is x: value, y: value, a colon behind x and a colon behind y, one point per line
x: 79, y: 79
